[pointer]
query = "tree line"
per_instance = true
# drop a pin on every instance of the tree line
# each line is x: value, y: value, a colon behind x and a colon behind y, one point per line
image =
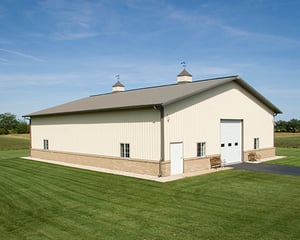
x: 292, y: 125
x: 10, y: 124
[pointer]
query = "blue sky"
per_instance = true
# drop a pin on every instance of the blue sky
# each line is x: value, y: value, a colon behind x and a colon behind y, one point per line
x: 55, y: 51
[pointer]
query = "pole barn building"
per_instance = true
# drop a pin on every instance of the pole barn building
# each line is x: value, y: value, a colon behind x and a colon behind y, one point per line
x: 164, y: 130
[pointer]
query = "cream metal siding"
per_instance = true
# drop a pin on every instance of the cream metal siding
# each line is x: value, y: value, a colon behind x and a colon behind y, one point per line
x: 101, y: 133
x: 197, y: 119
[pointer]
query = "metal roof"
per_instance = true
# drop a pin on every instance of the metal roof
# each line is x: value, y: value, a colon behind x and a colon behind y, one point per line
x: 145, y: 97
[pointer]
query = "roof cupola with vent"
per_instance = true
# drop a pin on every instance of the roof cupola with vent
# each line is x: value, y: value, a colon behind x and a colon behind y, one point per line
x: 118, y: 87
x: 184, y: 77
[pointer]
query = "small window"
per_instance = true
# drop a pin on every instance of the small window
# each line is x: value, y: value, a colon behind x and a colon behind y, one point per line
x: 229, y: 144
x: 201, y: 149
x: 256, y: 143
x: 46, y: 144
x: 222, y: 145
x: 125, y: 150
x: 236, y: 144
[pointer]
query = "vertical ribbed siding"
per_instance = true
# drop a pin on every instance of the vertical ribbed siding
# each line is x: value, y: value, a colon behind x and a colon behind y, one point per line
x: 197, y: 119
x: 101, y: 133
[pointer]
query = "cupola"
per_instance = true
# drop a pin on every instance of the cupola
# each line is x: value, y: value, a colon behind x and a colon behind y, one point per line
x: 184, y: 77
x: 118, y: 87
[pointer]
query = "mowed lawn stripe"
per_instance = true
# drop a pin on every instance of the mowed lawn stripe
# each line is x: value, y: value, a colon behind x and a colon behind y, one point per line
x: 62, y: 188
x: 252, y: 195
x: 9, y: 142
x: 10, y: 154
x: 44, y: 201
x: 292, y: 159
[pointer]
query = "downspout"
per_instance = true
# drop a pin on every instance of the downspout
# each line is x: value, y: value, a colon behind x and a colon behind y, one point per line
x: 162, y: 140
x: 274, y: 115
x: 30, y: 141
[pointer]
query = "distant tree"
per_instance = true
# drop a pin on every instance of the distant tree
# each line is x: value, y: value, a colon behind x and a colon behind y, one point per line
x: 8, y: 123
x: 22, y: 127
x: 292, y: 125
x: 281, y: 126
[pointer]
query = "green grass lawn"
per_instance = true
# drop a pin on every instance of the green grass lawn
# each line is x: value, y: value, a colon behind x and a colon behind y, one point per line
x: 287, y: 140
x: 44, y: 201
x: 287, y: 144
x: 11, y: 142
x: 292, y: 159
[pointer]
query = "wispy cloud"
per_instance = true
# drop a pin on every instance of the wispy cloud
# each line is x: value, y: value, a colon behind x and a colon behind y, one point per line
x: 189, y: 19
x: 200, y: 21
x: 74, y: 19
x: 261, y: 36
x: 23, y: 55
x: 45, y: 79
x: 3, y: 61
x: 74, y: 35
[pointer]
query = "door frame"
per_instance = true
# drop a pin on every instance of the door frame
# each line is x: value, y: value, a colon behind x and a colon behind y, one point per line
x: 181, y: 162
x: 241, y: 121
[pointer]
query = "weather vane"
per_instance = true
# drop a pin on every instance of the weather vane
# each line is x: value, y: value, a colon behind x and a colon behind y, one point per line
x: 183, y: 64
x: 118, y: 77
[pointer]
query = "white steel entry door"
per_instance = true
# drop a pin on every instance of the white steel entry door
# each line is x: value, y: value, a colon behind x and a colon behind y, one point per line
x: 231, y: 141
x: 176, y: 156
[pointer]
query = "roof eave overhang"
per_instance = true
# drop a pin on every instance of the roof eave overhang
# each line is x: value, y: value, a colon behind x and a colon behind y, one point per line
x: 240, y: 82
x: 237, y: 79
x: 154, y: 105
x: 260, y: 97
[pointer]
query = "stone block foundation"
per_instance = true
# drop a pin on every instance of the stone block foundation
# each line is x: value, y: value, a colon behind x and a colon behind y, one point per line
x: 258, y: 154
x: 147, y: 167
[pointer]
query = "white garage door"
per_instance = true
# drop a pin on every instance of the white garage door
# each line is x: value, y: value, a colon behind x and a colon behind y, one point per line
x: 231, y: 141
x: 176, y: 156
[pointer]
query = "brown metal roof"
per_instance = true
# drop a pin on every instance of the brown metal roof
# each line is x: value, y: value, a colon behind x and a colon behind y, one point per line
x: 152, y: 96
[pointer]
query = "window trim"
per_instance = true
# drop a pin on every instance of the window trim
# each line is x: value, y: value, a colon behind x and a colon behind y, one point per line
x: 201, y: 149
x: 256, y: 143
x: 124, y: 150
x: 45, y: 144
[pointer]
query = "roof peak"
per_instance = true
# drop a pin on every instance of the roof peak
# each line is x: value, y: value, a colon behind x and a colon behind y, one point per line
x: 118, y: 87
x: 184, y: 72
x: 172, y: 84
x: 151, y: 96
x: 118, y: 84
